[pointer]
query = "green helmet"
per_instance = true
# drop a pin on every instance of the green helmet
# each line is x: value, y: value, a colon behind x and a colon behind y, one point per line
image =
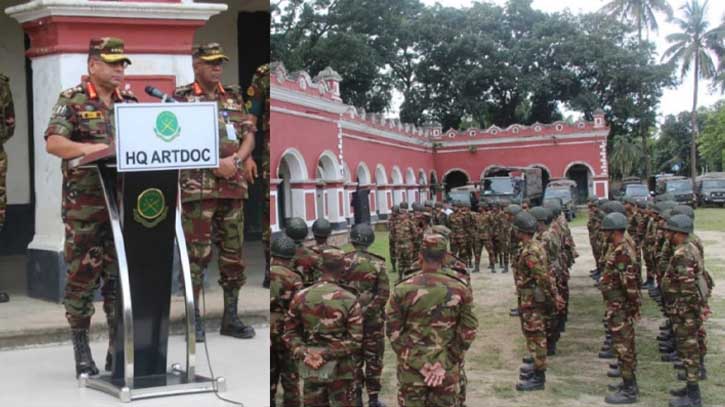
x: 541, y: 214
x: 666, y: 213
x: 321, y: 228
x: 513, y: 209
x: 403, y: 205
x: 679, y: 223
x: 417, y: 207
x: 525, y: 222
x: 683, y: 210
x: 613, y: 206
x: 602, y: 202
x: 554, y: 205
x: 296, y: 229
x: 396, y: 208
x: 362, y: 234
x: 428, y: 204
x: 283, y: 247
x: 664, y: 205
x: 615, y: 221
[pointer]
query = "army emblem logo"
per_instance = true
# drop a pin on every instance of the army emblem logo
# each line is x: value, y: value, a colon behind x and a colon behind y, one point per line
x: 151, y: 208
x: 167, y: 126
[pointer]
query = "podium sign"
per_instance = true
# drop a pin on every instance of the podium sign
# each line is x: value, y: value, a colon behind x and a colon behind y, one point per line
x: 166, y: 136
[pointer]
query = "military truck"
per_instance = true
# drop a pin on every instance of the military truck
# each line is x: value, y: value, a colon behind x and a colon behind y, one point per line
x: 676, y: 188
x: 467, y: 194
x: 563, y: 189
x: 522, y: 184
x: 710, y: 189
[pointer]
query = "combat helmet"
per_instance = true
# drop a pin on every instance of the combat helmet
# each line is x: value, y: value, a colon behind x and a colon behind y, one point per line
x: 541, y: 214
x: 362, y: 234
x: 283, y: 247
x: 615, y: 221
x: 525, y: 222
x: 513, y: 209
x: 296, y: 229
x: 679, y: 223
x: 321, y: 228
x: 683, y: 210
x: 554, y: 205
x: 403, y: 206
x: 613, y: 206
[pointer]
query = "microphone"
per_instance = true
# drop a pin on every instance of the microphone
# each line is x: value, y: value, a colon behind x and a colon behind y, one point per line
x: 157, y: 93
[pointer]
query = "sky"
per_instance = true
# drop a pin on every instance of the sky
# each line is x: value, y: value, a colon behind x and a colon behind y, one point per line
x: 673, y: 100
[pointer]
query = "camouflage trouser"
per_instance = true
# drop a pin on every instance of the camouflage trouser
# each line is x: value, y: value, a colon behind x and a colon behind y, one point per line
x: 370, y: 365
x: 502, y: 250
x: 412, y: 391
x: 91, y: 256
x: 463, y: 382
x: 622, y: 329
x: 223, y: 219
x: 338, y: 393
x: 459, y: 248
x: 405, y: 258
x: 3, y: 191
x: 687, y: 336
x: 533, y: 324
x: 283, y: 367
x: 490, y: 246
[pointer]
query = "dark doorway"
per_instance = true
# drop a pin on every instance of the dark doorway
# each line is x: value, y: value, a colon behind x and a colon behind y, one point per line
x: 455, y: 179
x: 545, y: 177
x: 253, y: 41
x: 580, y: 174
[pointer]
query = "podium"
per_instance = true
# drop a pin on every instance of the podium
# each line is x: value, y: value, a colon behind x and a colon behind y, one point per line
x: 144, y: 209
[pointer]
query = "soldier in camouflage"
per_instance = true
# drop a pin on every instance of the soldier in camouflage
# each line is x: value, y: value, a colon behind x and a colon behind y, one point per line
x: 392, y: 221
x: 7, y: 127
x: 324, y: 332
x: 366, y: 274
x: 258, y: 105
x: 685, y: 295
x: 321, y: 230
x: 82, y: 123
x: 460, y: 224
x: 482, y: 234
x: 536, y: 294
x: 620, y: 288
x: 503, y: 238
x: 284, y: 284
x: 213, y: 200
x: 431, y: 324
x: 306, y: 261
x: 406, y: 232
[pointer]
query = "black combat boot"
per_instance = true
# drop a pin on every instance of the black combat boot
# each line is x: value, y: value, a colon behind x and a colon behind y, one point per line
x: 627, y: 394
x: 670, y: 357
x: 681, y: 392
x: 231, y: 324
x: 492, y: 268
x: 4, y: 297
x: 664, y: 337
x: 691, y: 399
x: 536, y: 382
x: 505, y: 267
x: 550, y: 347
x: 476, y: 268
x: 616, y: 372
x: 82, y: 353
x: 199, y: 325
x: 526, y: 368
x: 111, y: 338
x: 682, y: 374
x: 649, y: 284
x: 373, y: 401
x: 529, y: 360
x: 606, y: 354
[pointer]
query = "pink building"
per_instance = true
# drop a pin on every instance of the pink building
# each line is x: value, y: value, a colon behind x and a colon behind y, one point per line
x: 322, y: 150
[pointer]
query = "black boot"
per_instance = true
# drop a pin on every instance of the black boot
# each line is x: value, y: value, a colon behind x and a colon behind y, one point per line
x: 529, y: 360
x: 681, y: 392
x: 670, y: 357
x: 606, y: 354
x: 627, y: 394
x: 526, y: 368
x: 615, y: 386
x: 492, y: 268
x: 373, y: 401
x: 614, y: 372
x: 536, y: 382
x: 111, y: 338
x: 550, y: 347
x: 691, y: 399
x: 199, y: 325
x: 4, y: 297
x: 505, y: 267
x: 514, y: 312
x: 682, y: 374
x: 231, y: 324
x: 82, y: 353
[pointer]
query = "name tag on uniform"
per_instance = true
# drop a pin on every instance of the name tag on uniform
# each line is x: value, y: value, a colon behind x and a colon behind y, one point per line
x: 91, y: 115
x: 231, y: 132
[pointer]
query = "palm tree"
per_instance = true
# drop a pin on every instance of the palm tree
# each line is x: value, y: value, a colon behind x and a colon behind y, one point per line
x: 624, y: 156
x: 693, y: 47
x: 641, y: 13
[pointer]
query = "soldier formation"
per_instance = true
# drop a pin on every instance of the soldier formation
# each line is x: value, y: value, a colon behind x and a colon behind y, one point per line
x: 662, y: 234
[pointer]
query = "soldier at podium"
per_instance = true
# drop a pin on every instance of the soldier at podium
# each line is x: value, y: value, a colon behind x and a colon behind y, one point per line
x: 82, y: 123
x: 212, y: 200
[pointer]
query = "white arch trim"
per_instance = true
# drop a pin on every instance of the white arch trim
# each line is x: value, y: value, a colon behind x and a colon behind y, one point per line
x: 410, y: 177
x: 396, y: 175
x: 329, y: 155
x: 295, y: 163
x: 573, y: 163
x: 346, y: 172
x: 366, y: 173
x: 422, y: 176
x: 381, y: 177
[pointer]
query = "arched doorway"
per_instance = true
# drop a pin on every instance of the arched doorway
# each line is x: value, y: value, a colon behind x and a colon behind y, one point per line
x: 327, y: 171
x: 545, y: 175
x: 433, y: 186
x: 381, y: 180
x: 454, y: 178
x: 582, y: 175
x: 291, y: 169
x: 398, y: 193
x: 410, y: 182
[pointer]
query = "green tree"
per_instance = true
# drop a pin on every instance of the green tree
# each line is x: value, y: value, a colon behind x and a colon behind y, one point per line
x: 693, y: 48
x: 624, y: 157
x: 712, y: 140
x: 641, y: 14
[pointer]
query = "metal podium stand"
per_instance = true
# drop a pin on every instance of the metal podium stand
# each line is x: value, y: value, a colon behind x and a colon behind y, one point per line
x: 145, y: 265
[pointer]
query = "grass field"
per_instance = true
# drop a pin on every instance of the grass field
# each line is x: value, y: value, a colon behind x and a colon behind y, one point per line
x: 576, y: 377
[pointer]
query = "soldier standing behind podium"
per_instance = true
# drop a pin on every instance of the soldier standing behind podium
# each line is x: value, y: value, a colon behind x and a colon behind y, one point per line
x: 7, y: 127
x: 82, y: 123
x: 213, y: 199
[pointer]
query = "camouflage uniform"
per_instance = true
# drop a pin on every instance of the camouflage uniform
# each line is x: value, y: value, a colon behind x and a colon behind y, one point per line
x: 258, y: 104
x: 551, y: 244
x: 213, y: 206
x: 535, y: 292
x: 684, y: 305
x: 366, y: 274
x: 392, y: 222
x: 620, y: 288
x: 483, y: 236
x: 307, y: 263
x: 593, y: 225
x: 405, y: 235
x: 430, y: 320
x: 459, y: 223
x: 7, y: 127
x: 327, y: 318
x: 503, y: 239
x: 648, y: 244
x: 284, y: 284
x: 81, y: 116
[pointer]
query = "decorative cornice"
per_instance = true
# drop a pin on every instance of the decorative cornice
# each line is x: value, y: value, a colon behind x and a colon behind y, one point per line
x: 37, y: 9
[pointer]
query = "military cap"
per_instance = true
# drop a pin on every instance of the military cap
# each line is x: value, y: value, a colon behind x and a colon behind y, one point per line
x: 321, y: 228
x: 615, y: 221
x: 210, y: 52
x: 296, y: 229
x: 333, y: 260
x: 108, y: 49
x: 683, y: 210
x: 679, y: 223
x: 525, y: 222
x: 283, y: 247
x: 434, y: 245
x: 362, y: 234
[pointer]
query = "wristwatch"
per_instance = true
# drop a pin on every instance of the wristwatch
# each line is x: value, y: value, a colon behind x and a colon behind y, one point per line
x: 237, y: 161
